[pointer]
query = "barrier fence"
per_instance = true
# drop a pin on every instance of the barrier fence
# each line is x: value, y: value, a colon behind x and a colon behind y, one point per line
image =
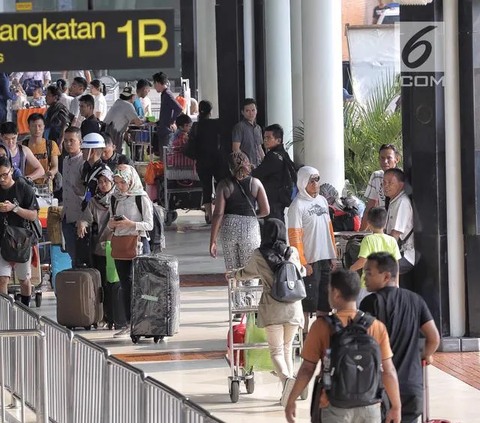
x: 65, y: 378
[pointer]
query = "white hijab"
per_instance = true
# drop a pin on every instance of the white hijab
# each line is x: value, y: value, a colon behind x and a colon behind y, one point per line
x: 303, y: 176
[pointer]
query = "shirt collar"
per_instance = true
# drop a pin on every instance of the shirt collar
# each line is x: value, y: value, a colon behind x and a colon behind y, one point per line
x: 398, y: 197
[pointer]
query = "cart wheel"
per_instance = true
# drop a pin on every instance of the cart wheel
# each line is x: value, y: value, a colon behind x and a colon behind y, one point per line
x: 304, y: 394
x: 234, y: 390
x: 135, y: 339
x: 87, y: 327
x: 38, y: 299
x: 70, y: 328
x: 18, y: 297
x: 110, y: 326
x: 250, y: 384
x: 157, y: 339
x: 95, y: 326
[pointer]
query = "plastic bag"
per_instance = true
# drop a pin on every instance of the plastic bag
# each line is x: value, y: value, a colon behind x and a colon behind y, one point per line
x: 256, y: 360
x: 154, y: 169
x: 112, y: 275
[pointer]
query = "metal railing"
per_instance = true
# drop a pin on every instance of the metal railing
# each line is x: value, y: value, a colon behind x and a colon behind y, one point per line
x: 65, y: 378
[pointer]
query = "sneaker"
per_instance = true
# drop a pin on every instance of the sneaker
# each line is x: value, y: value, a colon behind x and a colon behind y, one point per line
x: 124, y: 333
x: 287, y: 389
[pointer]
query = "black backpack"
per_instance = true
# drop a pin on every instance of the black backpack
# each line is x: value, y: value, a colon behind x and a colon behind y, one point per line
x: 157, y: 234
x: 288, y: 286
x: 354, y: 376
x: 289, y: 181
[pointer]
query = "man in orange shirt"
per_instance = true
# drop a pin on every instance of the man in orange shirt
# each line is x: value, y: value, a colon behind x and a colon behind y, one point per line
x: 343, y: 291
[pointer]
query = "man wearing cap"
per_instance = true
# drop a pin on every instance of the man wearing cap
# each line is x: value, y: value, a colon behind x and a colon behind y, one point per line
x: 120, y: 115
x: 93, y: 145
x: 143, y: 104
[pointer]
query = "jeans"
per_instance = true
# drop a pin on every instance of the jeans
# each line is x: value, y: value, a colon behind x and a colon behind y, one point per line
x: 280, y: 339
x: 70, y: 234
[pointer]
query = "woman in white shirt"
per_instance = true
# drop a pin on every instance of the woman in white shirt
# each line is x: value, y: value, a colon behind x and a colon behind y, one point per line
x: 65, y: 99
x: 98, y: 90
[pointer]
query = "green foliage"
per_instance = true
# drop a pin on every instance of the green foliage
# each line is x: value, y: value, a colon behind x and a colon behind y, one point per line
x: 367, y: 128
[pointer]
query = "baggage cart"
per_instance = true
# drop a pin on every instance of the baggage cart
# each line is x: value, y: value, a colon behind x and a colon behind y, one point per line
x: 140, y: 140
x: 238, y: 373
x: 180, y: 187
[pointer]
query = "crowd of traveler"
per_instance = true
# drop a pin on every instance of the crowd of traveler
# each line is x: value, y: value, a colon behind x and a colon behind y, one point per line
x: 76, y: 147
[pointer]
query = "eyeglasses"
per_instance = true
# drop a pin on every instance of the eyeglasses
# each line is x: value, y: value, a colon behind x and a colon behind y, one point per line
x: 314, y: 179
x: 5, y: 175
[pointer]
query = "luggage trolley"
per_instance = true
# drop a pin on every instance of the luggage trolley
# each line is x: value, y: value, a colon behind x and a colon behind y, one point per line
x: 181, y: 186
x: 140, y: 139
x: 238, y: 372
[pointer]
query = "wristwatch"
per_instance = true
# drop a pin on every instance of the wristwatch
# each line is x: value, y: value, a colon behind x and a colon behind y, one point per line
x: 15, y: 209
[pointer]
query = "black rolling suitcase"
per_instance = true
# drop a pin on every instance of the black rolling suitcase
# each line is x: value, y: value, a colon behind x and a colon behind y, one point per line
x: 155, y: 297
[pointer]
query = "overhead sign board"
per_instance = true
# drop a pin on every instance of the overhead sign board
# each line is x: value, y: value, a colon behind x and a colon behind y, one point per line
x: 23, y: 6
x: 87, y: 40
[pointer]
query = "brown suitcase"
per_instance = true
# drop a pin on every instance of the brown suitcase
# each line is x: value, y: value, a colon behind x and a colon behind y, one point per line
x: 79, y: 298
x: 54, y: 225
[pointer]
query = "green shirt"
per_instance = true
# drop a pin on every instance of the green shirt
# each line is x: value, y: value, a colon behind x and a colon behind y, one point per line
x: 378, y: 243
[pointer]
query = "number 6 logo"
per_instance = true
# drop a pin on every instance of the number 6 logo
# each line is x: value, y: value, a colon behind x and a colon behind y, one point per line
x: 415, y: 42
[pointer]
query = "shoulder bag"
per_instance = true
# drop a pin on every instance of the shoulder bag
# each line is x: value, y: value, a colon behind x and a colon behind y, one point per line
x: 16, y: 243
x: 123, y: 247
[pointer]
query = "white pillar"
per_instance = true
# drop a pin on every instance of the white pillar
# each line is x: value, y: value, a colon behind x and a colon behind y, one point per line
x: 206, y: 47
x: 297, y: 75
x: 322, y: 89
x: 278, y: 64
x: 249, y: 48
x: 456, y: 260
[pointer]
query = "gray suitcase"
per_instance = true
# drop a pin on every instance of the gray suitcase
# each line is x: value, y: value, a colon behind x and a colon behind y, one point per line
x: 79, y: 298
x: 155, y: 297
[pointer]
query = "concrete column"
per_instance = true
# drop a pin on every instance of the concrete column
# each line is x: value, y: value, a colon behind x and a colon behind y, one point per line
x: 206, y: 46
x: 249, y: 48
x: 322, y: 89
x: 297, y: 75
x: 278, y: 65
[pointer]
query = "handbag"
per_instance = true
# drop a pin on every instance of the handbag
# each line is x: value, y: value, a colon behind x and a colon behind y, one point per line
x: 256, y: 360
x: 124, y: 247
x: 16, y: 244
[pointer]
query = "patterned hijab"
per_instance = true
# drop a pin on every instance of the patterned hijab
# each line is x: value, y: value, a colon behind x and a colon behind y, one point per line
x: 104, y: 197
x: 133, y: 181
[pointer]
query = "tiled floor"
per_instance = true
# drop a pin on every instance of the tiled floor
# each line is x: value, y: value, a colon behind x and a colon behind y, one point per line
x: 192, y: 361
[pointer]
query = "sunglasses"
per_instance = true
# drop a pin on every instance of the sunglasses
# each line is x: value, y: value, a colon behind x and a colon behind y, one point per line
x: 314, y: 179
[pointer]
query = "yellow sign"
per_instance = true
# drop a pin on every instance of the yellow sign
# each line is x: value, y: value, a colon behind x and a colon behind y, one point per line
x: 24, y: 6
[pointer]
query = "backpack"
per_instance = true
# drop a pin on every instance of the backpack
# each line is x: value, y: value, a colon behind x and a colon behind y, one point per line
x: 288, y: 286
x: 352, y: 369
x: 289, y: 181
x: 352, y: 249
x: 157, y: 234
x: 346, y: 219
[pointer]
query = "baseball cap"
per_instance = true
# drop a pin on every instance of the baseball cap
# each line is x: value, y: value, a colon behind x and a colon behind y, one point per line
x: 93, y: 140
x: 127, y: 93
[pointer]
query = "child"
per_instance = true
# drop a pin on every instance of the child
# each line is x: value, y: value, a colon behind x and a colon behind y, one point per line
x: 179, y: 143
x: 378, y: 242
x: 38, y: 98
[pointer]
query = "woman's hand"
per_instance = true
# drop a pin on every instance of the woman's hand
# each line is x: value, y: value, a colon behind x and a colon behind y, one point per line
x: 213, y: 249
x: 81, y: 229
x: 125, y: 224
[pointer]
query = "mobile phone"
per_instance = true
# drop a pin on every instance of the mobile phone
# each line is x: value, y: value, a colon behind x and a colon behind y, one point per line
x: 117, y: 218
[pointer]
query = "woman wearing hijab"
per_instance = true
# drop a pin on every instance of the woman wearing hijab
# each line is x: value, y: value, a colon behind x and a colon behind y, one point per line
x: 310, y: 231
x: 127, y: 220
x: 96, y: 216
x: 281, y: 320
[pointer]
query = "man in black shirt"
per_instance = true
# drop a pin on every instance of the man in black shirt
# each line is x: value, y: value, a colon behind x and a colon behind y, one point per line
x: 274, y: 172
x: 111, y: 157
x: 18, y: 207
x: 91, y: 123
x: 405, y: 315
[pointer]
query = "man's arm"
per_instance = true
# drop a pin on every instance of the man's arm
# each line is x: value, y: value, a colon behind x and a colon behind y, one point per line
x: 270, y: 166
x: 261, y: 152
x: 38, y: 170
x: 432, y: 340
x: 53, y: 165
x: 305, y: 374
x: 236, y: 145
x: 390, y: 381
x: 396, y: 234
x: 358, y: 264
